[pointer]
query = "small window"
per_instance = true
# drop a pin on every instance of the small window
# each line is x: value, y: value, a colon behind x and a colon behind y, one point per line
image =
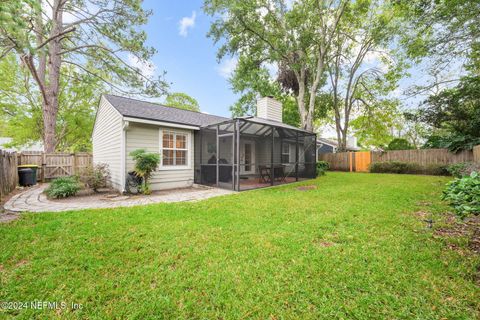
x: 286, y: 153
x: 174, y: 148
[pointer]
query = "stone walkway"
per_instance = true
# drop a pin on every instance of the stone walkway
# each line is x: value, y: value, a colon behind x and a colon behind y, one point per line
x: 34, y: 200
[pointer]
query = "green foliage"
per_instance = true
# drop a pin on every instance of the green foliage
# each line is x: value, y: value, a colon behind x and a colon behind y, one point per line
x: 96, y: 177
x: 182, y: 101
x: 408, y: 168
x: 145, y: 164
x: 399, y: 144
x: 63, y: 187
x: 463, y: 195
x: 322, y: 167
x: 452, y: 142
x: 463, y: 169
x: 21, y: 107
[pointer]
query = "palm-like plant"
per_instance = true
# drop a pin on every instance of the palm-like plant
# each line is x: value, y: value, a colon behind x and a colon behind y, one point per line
x: 145, y: 164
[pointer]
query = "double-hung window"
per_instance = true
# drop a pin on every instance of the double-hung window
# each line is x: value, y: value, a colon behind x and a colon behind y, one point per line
x: 285, y: 153
x: 174, y: 148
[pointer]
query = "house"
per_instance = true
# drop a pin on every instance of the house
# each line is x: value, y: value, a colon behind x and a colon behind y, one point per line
x: 330, y: 146
x: 5, y: 141
x: 239, y: 154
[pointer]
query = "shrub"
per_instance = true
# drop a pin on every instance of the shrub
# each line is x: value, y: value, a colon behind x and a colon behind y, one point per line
x: 63, y: 187
x: 463, y: 169
x: 463, y: 194
x: 322, y: 166
x: 408, y: 168
x: 145, y: 164
x: 96, y: 177
x: 399, y: 144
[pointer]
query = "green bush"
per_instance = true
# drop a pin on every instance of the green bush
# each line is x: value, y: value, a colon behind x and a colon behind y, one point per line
x: 96, y: 177
x: 63, y: 187
x: 463, y: 194
x: 145, y: 164
x: 322, y: 166
x: 463, y: 169
x: 408, y: 168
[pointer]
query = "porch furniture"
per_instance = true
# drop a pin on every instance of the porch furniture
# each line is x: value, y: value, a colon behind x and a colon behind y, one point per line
x: 278, y: 171
x: 209, y: 174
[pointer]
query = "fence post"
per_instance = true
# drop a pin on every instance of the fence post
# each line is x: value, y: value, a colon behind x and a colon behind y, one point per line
x: 44, y: 166
x: 74, y: 164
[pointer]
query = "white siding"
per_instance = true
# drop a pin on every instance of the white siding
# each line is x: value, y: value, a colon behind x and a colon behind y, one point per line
x: 145, y: 136
x: 107, y: 141
x: 269, y: 108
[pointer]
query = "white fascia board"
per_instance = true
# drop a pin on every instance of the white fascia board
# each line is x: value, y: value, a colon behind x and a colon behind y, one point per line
x: 161, y: 123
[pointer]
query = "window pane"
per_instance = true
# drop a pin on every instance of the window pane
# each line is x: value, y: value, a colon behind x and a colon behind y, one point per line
x: 181, y: 141
x: 285, y: 158
x: 181, y: 158
x: 167, y: 157
x: 286, y: 148
x: 167, y: 139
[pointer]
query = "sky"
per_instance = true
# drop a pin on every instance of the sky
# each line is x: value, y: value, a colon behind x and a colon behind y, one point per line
x: 178, y: 30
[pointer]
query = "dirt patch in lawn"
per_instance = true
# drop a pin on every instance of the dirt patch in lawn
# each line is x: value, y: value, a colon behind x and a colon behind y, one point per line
x: 468, y: 228
x: 305, y: 188
x: 5, y: 215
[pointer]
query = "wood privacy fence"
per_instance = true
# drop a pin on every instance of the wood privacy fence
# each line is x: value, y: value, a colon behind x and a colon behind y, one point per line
x: 350, y: 161
x: 8, y: 172
x: 54, y: 165
x: 476, y: 154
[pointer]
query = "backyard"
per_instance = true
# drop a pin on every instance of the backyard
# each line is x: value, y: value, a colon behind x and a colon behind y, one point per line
x: 346, y: 245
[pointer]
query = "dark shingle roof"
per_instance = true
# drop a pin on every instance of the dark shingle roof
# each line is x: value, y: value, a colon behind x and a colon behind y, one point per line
x: 152, y: 111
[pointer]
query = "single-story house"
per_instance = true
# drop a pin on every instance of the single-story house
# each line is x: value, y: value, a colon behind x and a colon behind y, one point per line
x: 330, y: 146
x: 239, y: 154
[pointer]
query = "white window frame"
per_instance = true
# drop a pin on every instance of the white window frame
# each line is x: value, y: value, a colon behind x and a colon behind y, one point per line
x: 188, y: 149
x: 286, y: 154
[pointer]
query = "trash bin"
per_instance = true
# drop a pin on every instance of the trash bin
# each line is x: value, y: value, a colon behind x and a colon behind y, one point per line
x: 27, y: 175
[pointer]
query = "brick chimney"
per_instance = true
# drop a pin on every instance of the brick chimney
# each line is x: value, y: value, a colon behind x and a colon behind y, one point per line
x: 269, y: 108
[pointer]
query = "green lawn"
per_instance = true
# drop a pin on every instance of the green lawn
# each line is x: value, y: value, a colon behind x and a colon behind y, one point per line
x: 352, y: 248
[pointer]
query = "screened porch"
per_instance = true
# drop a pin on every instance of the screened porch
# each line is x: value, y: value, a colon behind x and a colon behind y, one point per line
x: 249, y: 153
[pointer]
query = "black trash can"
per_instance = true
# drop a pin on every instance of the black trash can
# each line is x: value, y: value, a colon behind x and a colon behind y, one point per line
x: 27, y: 175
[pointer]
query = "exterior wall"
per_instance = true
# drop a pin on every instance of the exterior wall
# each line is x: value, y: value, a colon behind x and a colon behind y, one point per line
x: 269, y: 108
x: 325, y: 148
x: 146, y: 136
x: 107, y: 141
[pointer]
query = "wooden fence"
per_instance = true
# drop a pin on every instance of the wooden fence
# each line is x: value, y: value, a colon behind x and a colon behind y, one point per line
x: 345, y: 161
x: 8, y: 172
x: 476, y: 154
x: 54, y: 165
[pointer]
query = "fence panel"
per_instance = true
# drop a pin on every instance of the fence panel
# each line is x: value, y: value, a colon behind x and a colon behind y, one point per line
x: 8, y: 172
x: 54, y: 165
x: 425, y: 157
x: 476, y: 154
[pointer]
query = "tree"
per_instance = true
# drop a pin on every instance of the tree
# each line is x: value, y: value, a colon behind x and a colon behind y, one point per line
x: 182, y: 101
x: 362, y: 70
x: 297, y: 37
x: 455, y: 114
x: 21, y: 107
x: 95, y: 36
x: 399, y: 144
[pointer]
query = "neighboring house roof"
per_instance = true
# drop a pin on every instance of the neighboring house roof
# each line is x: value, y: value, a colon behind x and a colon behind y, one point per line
x: 335, y: 144
x: 152, y: 111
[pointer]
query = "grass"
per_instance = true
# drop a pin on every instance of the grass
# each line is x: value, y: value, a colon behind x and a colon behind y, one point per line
x: 351, y: 248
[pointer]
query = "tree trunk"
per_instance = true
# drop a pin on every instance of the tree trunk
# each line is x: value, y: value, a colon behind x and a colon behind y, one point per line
x: 50, y: 104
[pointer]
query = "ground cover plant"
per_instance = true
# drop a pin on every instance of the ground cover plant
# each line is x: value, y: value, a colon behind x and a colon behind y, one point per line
x: 345, y: 245
x: 63, y: 187
x: 463, y: 194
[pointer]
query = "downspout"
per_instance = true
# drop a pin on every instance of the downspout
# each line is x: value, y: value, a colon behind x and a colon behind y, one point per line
x: 123, y: 159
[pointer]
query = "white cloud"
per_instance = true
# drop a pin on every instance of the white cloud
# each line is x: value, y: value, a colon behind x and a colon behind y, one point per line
x: 227, y: 67
x: 147, y: 68
x: 187, y: 23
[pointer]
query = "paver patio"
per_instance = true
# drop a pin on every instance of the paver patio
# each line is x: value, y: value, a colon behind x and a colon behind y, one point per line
x: 34, y: 200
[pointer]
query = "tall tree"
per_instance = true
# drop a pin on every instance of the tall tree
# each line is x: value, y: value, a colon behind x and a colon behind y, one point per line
x: 296, y: 35
x: 21, y: 107
x: 362, y: 70
x: 95, y: 36
x: 183, y: 101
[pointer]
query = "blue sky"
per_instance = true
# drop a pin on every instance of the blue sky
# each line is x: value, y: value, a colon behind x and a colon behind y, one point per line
x: 189, y: 58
